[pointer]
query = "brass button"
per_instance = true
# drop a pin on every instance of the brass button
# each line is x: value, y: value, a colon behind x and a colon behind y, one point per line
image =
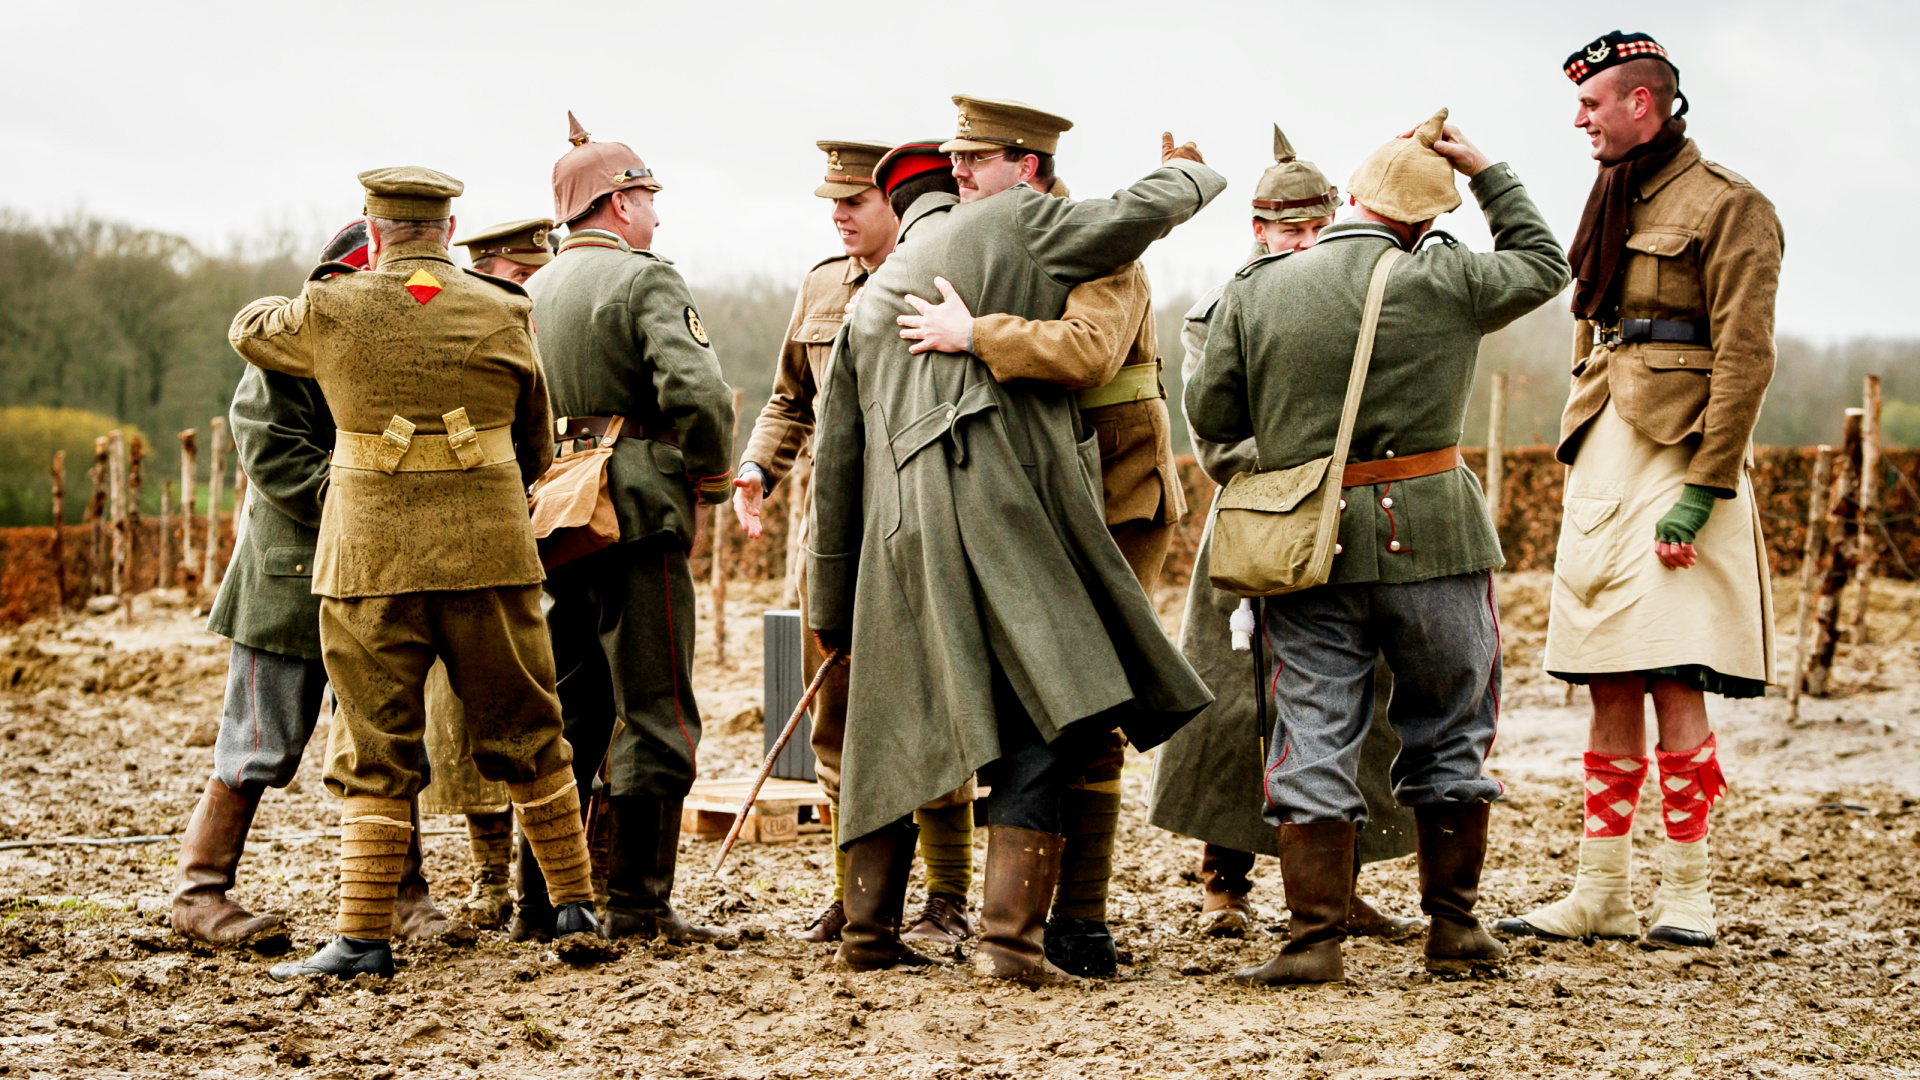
x: 299, y: 568
x: 1343, y: 504
x: 1338, y: 549
x: 1393, y: 545
x: 950, y: 415
x: 1387, y: 502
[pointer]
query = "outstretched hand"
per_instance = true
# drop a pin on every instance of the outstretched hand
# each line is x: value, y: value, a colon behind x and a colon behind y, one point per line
x: 1186, y: 150
x: 747, y: 498
x: 944, y: 327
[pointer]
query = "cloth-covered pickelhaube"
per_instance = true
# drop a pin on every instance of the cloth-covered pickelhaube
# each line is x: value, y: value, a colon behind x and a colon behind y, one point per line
x: 1291, y: 189
x: 1407, y: 179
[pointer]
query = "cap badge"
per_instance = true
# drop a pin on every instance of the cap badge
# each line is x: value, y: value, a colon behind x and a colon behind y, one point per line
x: 966, y: 126
x: 1598, y: 53
x: 693, y: 327
x: 540, y: 237
x: 833, y: 160
x: 423, y: 286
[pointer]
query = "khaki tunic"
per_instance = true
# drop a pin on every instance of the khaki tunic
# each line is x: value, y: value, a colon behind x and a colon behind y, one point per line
x: 784, y: 426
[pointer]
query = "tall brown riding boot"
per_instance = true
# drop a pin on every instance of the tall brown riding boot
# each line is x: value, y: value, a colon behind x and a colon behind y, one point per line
x: 491, y: 838
x: 1365, y: 920
x: 646, y: 847
x: 415, y: 916
x: 1453, y: 846
x: 1224, y: 910
x: 1022, y: 868
x: 876, y: 898
x: 1316, y: 868
x: 209, y: 855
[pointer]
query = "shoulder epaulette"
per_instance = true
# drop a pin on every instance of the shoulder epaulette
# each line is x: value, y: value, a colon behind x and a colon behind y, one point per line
x: 1725, y: 173
x: 1203, y: 308
x: 1264, y: 260
x: 513, y: 287
x: 1440, y: 235
x: 329, y: 269
x: 661, y: 259
x: 827, y: 260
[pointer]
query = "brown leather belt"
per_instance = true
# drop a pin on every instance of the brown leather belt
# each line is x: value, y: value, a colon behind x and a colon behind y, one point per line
x: 568, y: 428
x: 1389, y: 470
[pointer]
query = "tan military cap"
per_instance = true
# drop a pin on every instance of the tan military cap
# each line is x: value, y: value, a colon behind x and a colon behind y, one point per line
x: 410, y: 193
x: 523, y: 242
x: 849, y: 167
x: 1293, y: 190
x: 591, y: 170
x: 1407, y: 179
x: 986, y: 124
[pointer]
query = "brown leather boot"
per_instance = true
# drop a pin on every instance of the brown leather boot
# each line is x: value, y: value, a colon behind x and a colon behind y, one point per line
x: 490, y: 837
x: 209, y: 855
x: 876, y: 898
x: 1365, y: 920
x: 646, y: 849
x: 1224, y: 910
x: 1316, y: 867
x: 826, y: 926
x: 415, y: 916
x: 942, y: 922
x: 1022, y: 868
x: 1453, y: 847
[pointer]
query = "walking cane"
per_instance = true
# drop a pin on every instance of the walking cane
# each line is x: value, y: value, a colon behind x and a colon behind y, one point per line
x: 779, y: 744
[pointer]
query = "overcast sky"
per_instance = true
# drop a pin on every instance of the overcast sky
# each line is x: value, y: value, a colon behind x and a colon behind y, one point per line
x: 222, y: 121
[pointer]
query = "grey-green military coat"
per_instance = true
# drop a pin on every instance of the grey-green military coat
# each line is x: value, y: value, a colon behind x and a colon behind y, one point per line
x: 957, y: 522
x: 283, y: 435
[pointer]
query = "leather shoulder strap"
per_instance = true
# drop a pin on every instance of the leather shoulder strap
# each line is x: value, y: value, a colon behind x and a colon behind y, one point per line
x: 1363, y: 353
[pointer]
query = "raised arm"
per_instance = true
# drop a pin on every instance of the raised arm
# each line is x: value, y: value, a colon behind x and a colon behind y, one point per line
x: 272, y: 333
x: 1077, y: 241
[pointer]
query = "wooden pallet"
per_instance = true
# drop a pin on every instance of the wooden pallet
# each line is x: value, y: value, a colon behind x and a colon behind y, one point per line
x: 712, y: 804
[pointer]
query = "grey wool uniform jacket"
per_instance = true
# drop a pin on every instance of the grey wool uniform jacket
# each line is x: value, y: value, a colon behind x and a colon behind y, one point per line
x: 283, y: 433
x: 957, y: 521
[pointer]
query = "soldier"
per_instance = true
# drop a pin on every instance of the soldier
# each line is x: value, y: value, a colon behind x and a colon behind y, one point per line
x: 1412, y: 575
x: 283, y: 433
x: 1677, y: 262
x: 1204, y: 777
x: 425, y: 549
x: 867, y: 224
x: 973, y: 651
x: 513, y: 251
x: 622, y: 341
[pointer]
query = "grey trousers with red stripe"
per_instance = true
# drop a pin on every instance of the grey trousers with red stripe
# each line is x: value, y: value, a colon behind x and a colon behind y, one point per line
x: 1441, y: 637
x: 272, y: 705
x: 622, y: 630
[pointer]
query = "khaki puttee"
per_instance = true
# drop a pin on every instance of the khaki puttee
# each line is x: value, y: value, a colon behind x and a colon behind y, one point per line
x: 398, y: 449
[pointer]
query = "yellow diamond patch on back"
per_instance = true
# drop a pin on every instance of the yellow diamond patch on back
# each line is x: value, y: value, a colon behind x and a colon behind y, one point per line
x: 423, y: 286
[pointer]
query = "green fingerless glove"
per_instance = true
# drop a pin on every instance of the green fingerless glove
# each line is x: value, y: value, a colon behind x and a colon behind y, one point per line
x: 1687, y: 517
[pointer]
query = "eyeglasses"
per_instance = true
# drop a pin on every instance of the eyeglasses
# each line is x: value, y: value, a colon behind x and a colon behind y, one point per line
x: 971, y: 159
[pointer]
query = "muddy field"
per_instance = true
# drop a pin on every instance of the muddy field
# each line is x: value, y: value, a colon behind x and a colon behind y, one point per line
x: 1817, y: 973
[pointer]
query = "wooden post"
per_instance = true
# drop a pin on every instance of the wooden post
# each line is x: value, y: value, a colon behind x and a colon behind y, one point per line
x: 1809, y: 557
x: 1496, y: 446
x: 189, y: 440
x: 1869, y: 519
x: 799, y: 490
x: 722, y: 545
x: 136, y: 480
x: 1836, y: 564
x: 59, y: 531
x: 163, y: 565
x: 117, y: 503
x: 97, y: 516
x: 216, y: 464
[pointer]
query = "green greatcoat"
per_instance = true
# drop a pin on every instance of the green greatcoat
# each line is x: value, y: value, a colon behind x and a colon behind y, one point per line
x: 1281, y: 350
x: 957, y: 523
x: 1207, y: 777
x: 620, y: 337
x: 283, y: 434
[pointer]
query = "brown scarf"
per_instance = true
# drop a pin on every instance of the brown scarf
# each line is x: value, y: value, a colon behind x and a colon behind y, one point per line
x: 1595, y: 252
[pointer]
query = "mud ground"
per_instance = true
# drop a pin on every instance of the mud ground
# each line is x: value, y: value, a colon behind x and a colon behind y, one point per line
x: 102, y: 733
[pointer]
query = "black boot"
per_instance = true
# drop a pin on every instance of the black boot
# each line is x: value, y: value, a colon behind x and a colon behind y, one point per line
x: 343, y: 957
x: 575, y: 918
x: 876, y: 899
x: 1082, y: 947
x: 533, y: 914
x: 646, y: 847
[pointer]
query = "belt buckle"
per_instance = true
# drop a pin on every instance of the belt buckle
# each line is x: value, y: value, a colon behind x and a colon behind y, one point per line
x: 1607, y: 334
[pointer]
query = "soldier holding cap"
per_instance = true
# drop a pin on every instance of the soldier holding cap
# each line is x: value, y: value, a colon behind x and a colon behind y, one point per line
x: 1676, y: 265
x: 958, y: 543
x: 425, y: 547
x: 624, y: 346
x: 513, y: 250
x: 1202, y: 776
x: 867, y: 225
x: 1411, y: 577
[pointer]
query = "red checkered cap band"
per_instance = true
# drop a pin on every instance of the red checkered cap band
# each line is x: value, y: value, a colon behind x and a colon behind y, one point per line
x: 1580, y: 70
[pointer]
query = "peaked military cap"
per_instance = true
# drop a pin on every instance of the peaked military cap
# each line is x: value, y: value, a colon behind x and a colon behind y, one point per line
x: 849, y: 167
x: 1616, y: 48
x: 591, y: 170
x: 349, y: 245
x: 908, y: 160
x: 1291, y: 189
x: 410, y: 193
x: 988, y: 124
x: 1407, y: 179
x: 523, y: 242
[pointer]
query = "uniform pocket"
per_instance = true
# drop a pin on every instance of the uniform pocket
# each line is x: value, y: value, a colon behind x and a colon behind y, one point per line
x: 1587, y: 558
x: 291, y: 561
x: 1663, y: 271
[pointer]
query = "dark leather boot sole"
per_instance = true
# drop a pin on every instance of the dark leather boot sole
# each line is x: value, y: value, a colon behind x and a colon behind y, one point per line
x: 1678, y: 938
x: 342, y: 958
x: 1523, y: 928
x: 530, y: 927
x: 1317, y: 963
x: 1082, y: 947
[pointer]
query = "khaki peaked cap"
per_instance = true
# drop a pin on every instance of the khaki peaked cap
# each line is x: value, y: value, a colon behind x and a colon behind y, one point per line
x: 410, y: 193
x: 523, y: 242
x: 1291, y: 189
x: 1407, y: 179
x: 989, y: 124
x: 591, y: 170
x: 849, y: 167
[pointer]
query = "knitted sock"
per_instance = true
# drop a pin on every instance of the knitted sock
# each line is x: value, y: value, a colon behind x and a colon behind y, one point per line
x: 491, y: 838
x: 946, y: 847
x: 839, y: 857
x: 1613, y: 792
x: 374, y: 834
x: 1090, y: 813
x: 1690, y: 783
x: 549, y: 810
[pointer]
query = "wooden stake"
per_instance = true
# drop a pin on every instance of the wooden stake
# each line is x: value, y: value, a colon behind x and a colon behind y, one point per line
x: 97, y: 516
x: 163, y: 567
x: 1496, y: 446
x: 136, y: 480
x: 799, y: 491
x: 1809, y: 557
x: 188, y: 445
x: 216, y: 464
x: 773, y: 754
x: 59, y: 531
x: 117, y: 501
x: 1869, y: 520
x: 1836, y: 564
